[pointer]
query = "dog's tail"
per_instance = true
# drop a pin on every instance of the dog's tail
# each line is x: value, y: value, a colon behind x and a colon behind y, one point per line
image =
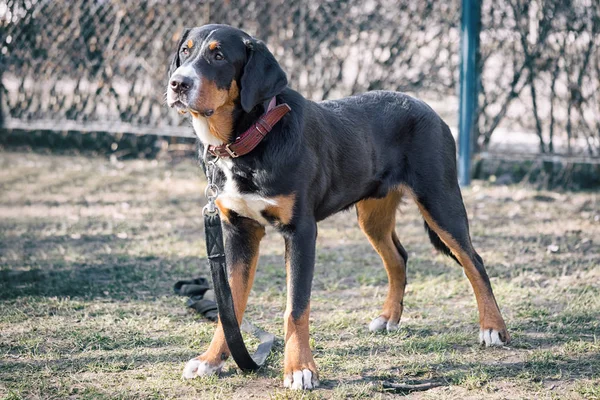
x: 438, y: 243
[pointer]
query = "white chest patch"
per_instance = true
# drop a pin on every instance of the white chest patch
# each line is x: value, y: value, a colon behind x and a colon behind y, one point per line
x: 203, y: 132
x: 247, y: 205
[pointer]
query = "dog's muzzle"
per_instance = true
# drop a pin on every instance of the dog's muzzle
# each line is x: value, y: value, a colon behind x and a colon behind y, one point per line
x: 178, y: 95
x: 181, y: 85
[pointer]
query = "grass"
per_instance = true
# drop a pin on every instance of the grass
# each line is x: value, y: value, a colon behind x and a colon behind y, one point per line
x: 90, y: 249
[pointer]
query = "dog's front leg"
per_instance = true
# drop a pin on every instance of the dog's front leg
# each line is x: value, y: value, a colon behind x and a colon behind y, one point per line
x: 242, y: 239
x: 300, y: 371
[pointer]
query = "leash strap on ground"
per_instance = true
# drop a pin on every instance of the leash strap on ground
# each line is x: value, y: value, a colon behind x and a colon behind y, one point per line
x: 200, y: 296
x: 218, y: 267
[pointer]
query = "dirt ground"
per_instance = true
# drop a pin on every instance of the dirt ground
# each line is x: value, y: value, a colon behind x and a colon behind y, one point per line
x: 90, y: 249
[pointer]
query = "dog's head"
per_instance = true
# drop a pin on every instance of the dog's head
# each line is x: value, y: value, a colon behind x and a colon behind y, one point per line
x: 218, y: 68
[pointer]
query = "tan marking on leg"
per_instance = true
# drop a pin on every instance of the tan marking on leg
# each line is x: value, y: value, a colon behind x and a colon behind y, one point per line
x: 241, y: 284
x: 284, y: 210
x: 377, y: 218
x: 297, y: 349
x: 489, y: 313
x: 297, y: 354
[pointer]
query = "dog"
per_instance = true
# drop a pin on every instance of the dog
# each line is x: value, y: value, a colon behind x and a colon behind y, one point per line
x: 367, y: 151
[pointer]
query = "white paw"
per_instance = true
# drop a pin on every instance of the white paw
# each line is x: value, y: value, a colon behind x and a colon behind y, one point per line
x: 490, y: 337
x: 301, y: 380
x: 380, y: 323
x: 196, y: 367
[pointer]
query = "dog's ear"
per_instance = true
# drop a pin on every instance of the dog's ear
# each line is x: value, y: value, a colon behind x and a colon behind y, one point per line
x: 175, y: 61
x: 262, y: 78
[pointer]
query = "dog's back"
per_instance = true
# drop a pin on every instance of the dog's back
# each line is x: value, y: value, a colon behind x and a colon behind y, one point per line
x: 368, y: 144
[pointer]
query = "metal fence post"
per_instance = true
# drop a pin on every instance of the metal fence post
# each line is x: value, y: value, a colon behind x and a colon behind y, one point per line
x: 2, y: 96
x: 471, y: 22
x: 1, y: 102
x: 2, y: 66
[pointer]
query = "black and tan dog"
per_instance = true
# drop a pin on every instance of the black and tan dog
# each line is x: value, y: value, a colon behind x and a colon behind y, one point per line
x: 366, y: 151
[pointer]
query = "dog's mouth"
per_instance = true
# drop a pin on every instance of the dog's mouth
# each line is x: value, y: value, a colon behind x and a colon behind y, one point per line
x: 183, y: 108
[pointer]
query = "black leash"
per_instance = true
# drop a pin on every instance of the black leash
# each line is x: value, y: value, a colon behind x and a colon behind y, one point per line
x: 218, y: 268
x: 215, y: 251
x: 200, y: 296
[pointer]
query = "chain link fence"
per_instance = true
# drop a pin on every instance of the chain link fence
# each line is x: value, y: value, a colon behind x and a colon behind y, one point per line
x: 101, y: 65
x: 540, y: 64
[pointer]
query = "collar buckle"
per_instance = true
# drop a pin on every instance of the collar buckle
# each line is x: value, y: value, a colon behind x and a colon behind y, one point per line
x: 231, y: 153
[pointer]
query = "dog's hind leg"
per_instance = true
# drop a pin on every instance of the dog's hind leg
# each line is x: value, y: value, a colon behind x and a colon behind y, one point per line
x: 441, y: 205
x: 242, y: 242
x: 377, y: 218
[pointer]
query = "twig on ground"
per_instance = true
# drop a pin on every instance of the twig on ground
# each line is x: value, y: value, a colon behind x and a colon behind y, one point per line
x: 405, y: 387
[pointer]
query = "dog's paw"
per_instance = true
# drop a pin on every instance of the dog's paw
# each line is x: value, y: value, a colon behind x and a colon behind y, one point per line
x: 196, y: 367
x: 381, y: 323
x: 492, y: 337
x: 301, y: 380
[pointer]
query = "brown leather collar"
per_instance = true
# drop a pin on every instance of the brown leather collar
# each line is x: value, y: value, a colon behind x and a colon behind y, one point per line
x: 248, y: 140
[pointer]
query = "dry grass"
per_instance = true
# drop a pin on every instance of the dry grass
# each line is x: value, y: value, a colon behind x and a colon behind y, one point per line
x: 89, y: 251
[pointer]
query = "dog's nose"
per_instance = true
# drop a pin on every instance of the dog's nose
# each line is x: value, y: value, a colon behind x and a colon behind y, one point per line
x: 181, y: 84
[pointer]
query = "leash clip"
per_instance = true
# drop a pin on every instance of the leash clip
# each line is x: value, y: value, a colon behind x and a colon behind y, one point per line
x: 212, y: 190
x: 210, y: 209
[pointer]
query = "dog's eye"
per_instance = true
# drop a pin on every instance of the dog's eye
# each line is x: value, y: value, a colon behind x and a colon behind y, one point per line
x: 185, y: 51
x: 219, y: 56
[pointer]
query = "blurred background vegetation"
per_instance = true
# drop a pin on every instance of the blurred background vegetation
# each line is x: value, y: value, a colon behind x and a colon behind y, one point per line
x: 91, y: 74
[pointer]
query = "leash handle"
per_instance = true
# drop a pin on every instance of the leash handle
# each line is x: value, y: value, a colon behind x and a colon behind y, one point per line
x: 218, y: 268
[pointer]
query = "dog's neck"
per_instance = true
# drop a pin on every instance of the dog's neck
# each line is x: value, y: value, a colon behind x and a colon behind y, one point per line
x: 243, y: 120
x: 227, y: 124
